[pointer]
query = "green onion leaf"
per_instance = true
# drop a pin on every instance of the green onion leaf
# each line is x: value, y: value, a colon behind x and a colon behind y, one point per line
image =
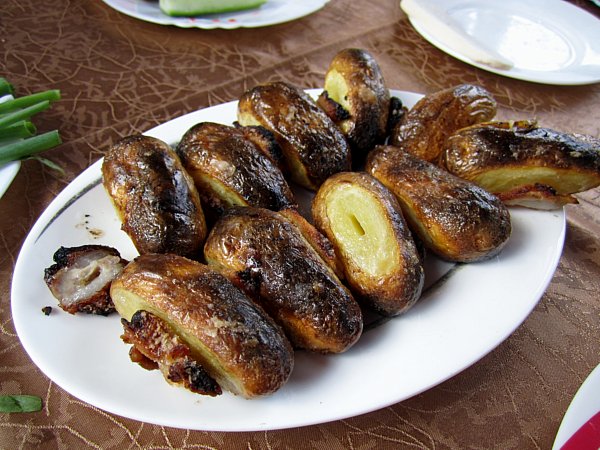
x: 23, y: 114
x: 18, y: 135
x: 28, y: 147
x: 18, y: 130
x: 28, y: 100
x: 5, y: 87
x: 50, y: 164
x: 20, y: 403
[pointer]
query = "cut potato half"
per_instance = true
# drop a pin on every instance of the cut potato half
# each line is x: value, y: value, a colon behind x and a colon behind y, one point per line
x: 232, y: 338
x: 364, y: 222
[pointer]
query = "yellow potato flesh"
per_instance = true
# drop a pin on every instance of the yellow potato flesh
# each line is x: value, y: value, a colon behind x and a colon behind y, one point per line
x: 563, y: 181
x: 337, y: 90
x: 360, y: 226
x: 228, y: 196
x: 127, y: 304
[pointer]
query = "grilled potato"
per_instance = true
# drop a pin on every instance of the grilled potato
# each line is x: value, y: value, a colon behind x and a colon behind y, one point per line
x: 524, y: 164
x: 154, y: 196
x: 229, y: 168
x: 357, y: 100
x: 313, y: 146
x: 266, y: 255
x: 316, y: 239
x: 232, y: 338
x: 363, y: 220
x: 423, y: 130
x: 454, y: 218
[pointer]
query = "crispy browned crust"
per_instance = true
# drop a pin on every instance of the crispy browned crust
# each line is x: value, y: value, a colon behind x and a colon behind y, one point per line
x: 265, y: 141
x: 510, y: 158
x: 229, y: 168
x: 366, y: 97
x: 396, y: 114
x: 397, y: 286
x: 315, y: 238
x: 155, y: 342
x: 83, y: 261
x: 313, y: 147
x: 424, y: 128
x: 237, y: 343
x: 268, y: 257
x: 453, y: 217
x: 154, y: 196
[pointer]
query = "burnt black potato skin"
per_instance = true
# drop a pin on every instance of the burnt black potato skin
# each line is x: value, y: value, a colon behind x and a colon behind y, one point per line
x: 267, y: 256
x: 216, y: 154
x: 234, y: 339
x: 356, y: 80
x: 154, y: 196
x: 500, y: 156
x: 314, y: 148
x: 423, y: 130
x: 454, y: 218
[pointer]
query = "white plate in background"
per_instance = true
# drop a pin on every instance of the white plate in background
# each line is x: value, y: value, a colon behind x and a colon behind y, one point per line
x: 272, y: 12
x: 457, y: 321
x: 548, y: 41
x: 584, y: 406
x: 8, y: 172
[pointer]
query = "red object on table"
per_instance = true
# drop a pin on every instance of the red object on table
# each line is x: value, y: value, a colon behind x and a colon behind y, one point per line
x: 587, y: 437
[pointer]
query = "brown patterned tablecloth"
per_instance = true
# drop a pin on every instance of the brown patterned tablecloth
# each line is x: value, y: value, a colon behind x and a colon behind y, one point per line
x: 119, y: 75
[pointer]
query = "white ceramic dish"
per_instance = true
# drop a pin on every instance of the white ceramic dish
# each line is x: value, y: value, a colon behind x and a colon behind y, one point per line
x: 272, y: 12
x: 548, y: 41
x: 585, y: 404
x: 459, y: 320
x: 8, y: 172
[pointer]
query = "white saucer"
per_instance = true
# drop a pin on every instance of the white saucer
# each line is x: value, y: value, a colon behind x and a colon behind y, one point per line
x: 548, y: 41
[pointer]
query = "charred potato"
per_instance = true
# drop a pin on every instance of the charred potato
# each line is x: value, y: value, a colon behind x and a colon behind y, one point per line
x: 268, y: 257
x: 364, y: 221
x: 230, y: 168
x: 313, y: 146
x: 154, y: 196
x: 423, y: 130
x: 524, y: 164
x: 454, y: 218
x: 357, y: 99
x: 232, y: 338
x: 316, y: 239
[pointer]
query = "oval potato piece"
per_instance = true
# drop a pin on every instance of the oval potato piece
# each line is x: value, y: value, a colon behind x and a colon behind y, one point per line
x: 268, y: 257
x: 229, y: 169
x: 232, y: 338
x: 154, y: 196
x: 354, y: 81
x: 313, y: 146
x: 456, y: 219
x: 363, y: 220
x: 423, y: 130
x: 524, y: 164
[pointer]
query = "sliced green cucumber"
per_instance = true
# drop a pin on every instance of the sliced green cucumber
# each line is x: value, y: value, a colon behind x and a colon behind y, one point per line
x: 197, y: 7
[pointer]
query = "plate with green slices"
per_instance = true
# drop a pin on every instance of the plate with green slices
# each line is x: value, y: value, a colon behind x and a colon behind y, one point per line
x: 210, y: 14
